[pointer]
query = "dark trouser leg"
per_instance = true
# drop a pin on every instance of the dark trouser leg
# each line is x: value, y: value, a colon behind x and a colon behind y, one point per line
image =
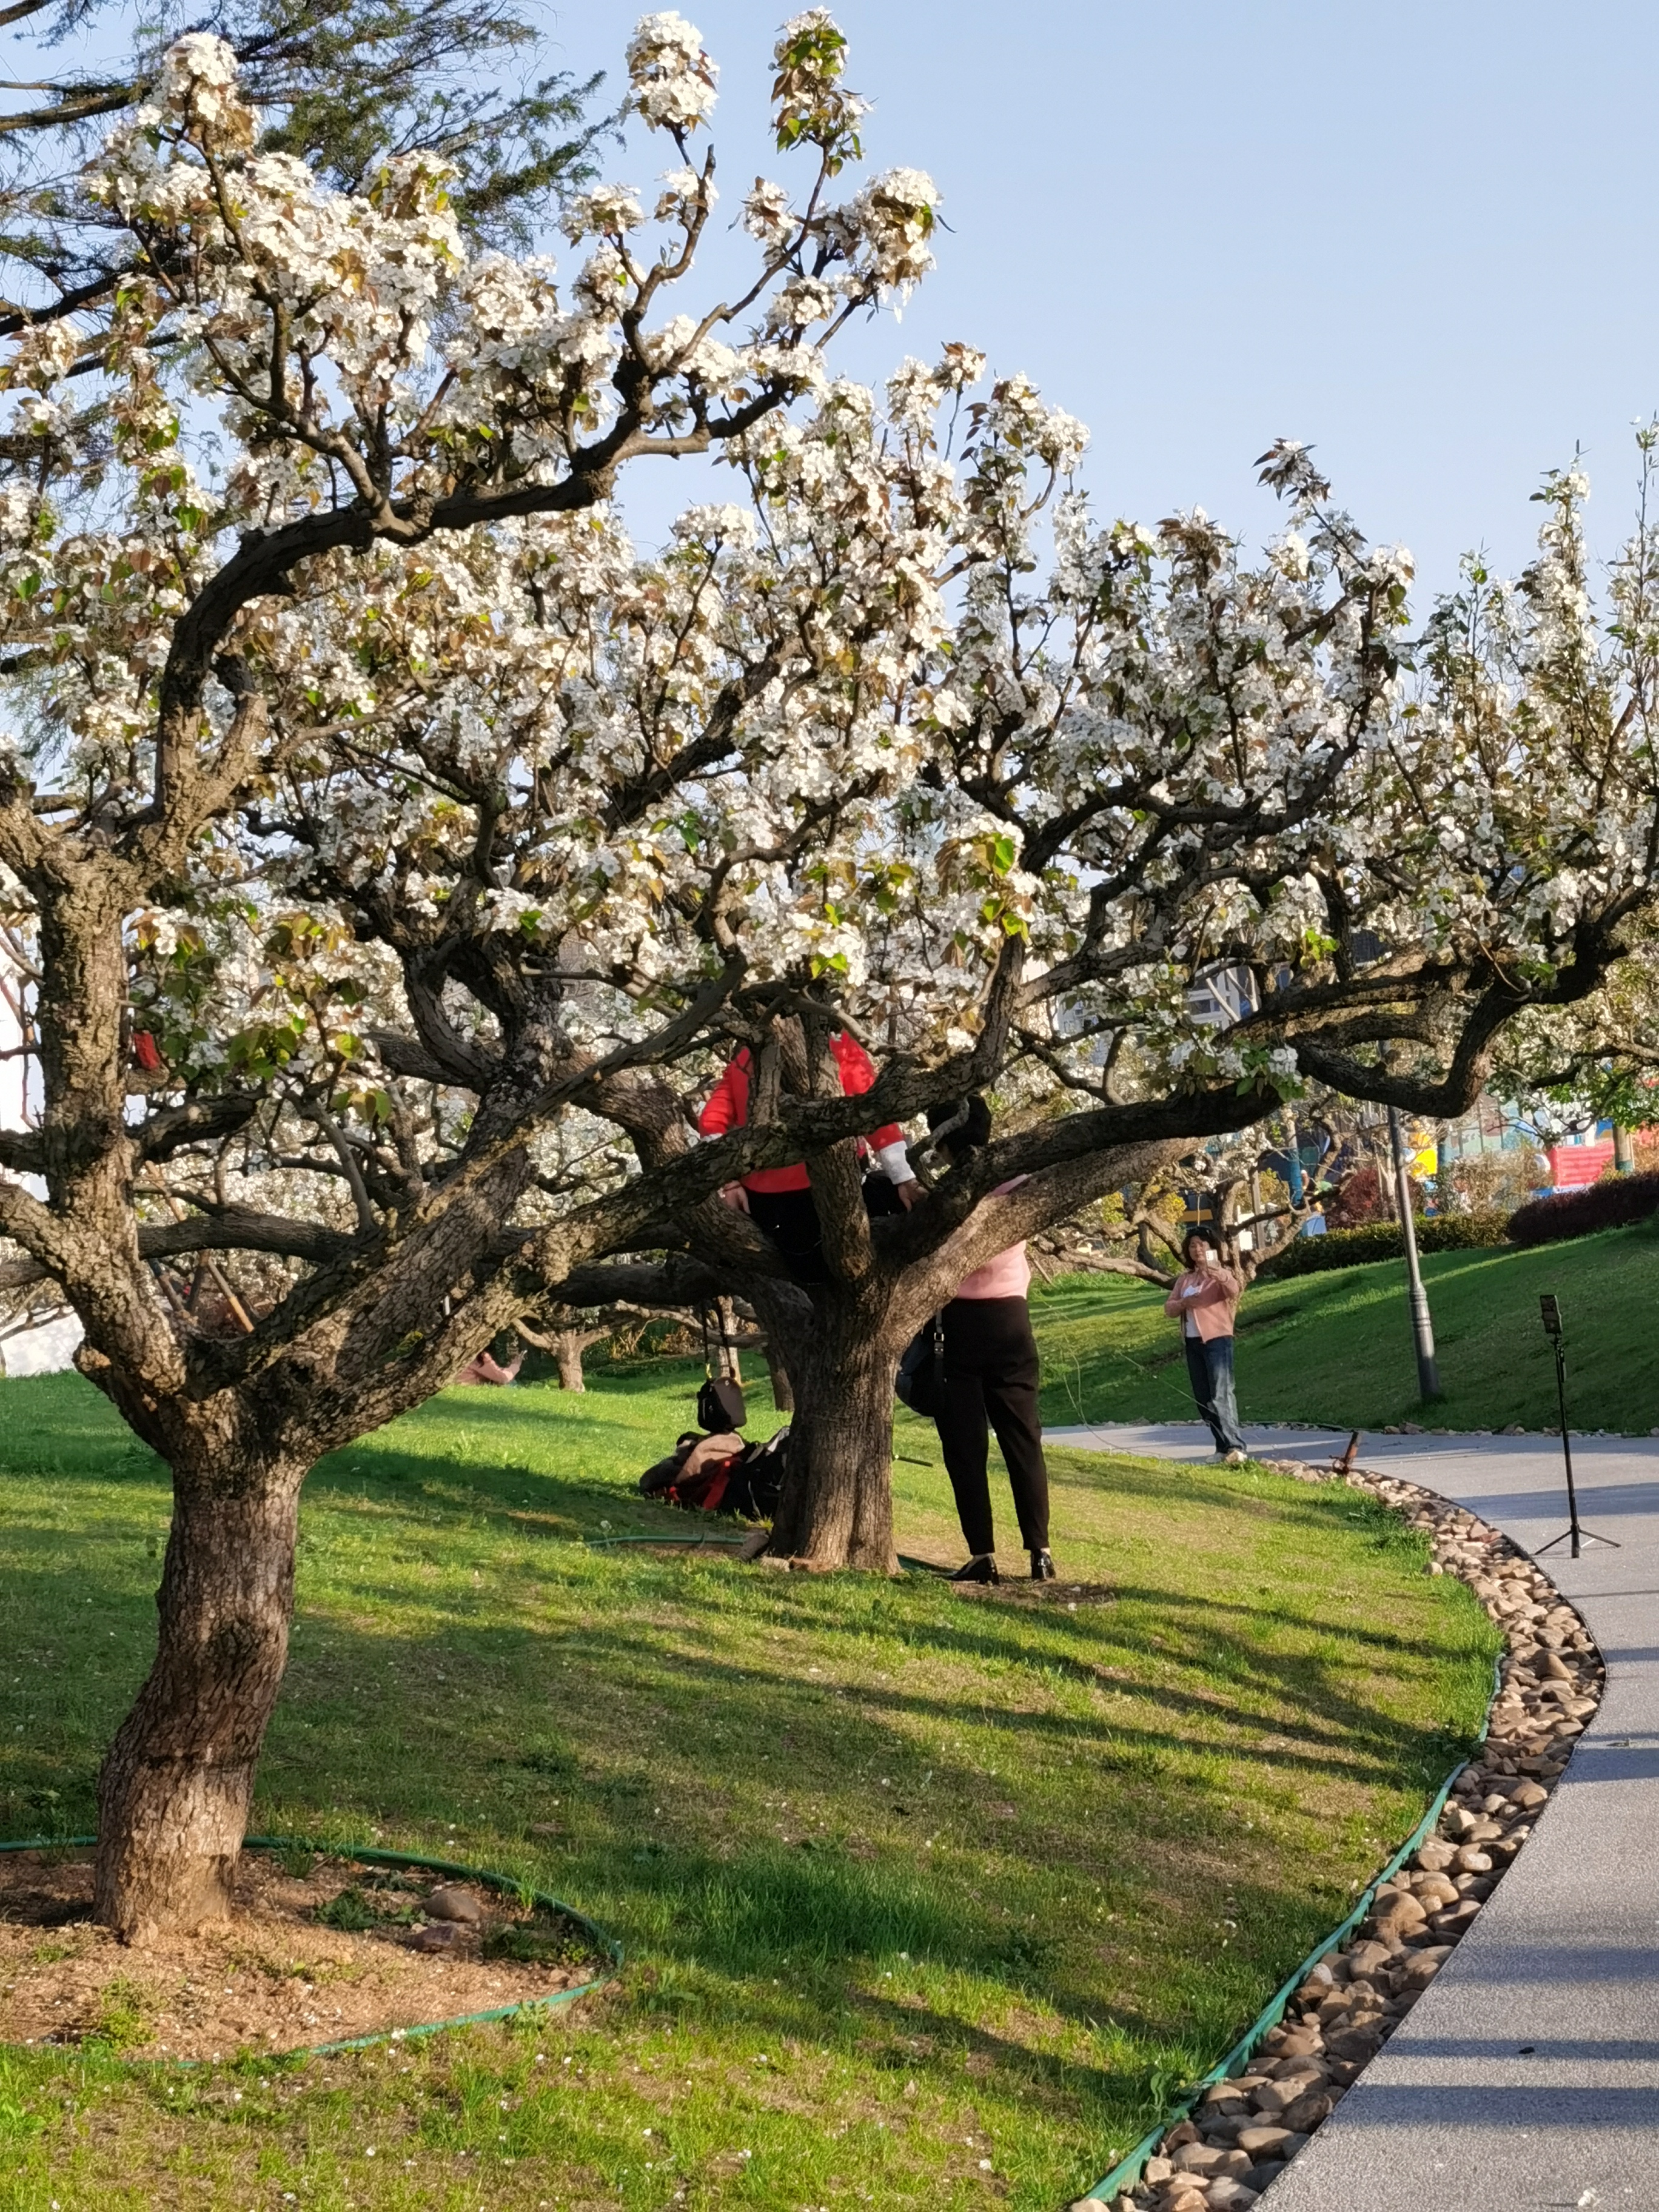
x: 991, y: 1373
x: 1198, y: 1367
x: 965, y: 1434
x: 881, y: 1198
x: 791, y: 1220
x: 1229, y: 1435
x: 1011, y: 1400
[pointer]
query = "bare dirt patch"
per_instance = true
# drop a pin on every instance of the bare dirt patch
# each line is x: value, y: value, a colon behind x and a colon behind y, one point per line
x: 321, y: 1949
x: 1067, y: 1596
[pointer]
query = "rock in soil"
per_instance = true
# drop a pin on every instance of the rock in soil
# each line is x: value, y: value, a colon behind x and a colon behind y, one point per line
x: 451, y: 1902
x: 320, y: 1950
x: 437, y: 1936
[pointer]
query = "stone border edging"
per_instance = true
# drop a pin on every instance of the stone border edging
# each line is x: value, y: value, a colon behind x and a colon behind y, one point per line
x: 1348, y: 1995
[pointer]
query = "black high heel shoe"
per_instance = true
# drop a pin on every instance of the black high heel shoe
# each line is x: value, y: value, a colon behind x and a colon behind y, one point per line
x: 982, y: 1568
x: 1042, y: 1567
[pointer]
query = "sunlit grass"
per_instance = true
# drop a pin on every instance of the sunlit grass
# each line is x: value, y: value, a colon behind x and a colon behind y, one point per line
x: 1338, y: 1347
x: 921, y: 1894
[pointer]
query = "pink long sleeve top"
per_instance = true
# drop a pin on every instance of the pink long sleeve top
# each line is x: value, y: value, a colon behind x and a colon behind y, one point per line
x: 1008, y: 1275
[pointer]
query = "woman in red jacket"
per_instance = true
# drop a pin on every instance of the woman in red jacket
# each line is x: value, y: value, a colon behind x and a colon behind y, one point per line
x: 780, y: 1199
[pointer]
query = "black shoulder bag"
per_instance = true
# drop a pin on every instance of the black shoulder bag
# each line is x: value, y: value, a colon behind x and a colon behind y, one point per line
x: 721, y: 1405
x: 920, y: 1383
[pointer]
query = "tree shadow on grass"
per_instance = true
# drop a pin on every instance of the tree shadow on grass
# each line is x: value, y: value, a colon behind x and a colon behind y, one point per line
x: 1220, y: 1639
x: 665, y: 1763
x: 821, y: 1909
x: 624, y: 1696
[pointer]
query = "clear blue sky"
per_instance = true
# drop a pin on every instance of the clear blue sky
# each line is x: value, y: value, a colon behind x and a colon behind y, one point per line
x: 1425, y: 237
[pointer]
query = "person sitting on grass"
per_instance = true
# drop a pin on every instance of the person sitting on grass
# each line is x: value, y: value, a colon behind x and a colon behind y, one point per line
x: 487, y: 1369
x: 1205, y: 1301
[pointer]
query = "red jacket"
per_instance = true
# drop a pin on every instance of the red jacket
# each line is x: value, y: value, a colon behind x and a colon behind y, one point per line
x: 728, y: 1108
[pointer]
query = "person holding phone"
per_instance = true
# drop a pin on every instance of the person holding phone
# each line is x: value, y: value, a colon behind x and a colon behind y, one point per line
x: 1205, y: 1301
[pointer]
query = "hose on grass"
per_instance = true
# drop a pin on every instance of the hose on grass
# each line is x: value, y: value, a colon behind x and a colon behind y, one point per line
x: 365, y: 1855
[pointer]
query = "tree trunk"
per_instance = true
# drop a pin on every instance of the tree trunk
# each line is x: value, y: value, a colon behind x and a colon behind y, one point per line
x: 569, y: 1346
x: 837, y: 1506
x: 783, y: 1390
x: 175, y: 1790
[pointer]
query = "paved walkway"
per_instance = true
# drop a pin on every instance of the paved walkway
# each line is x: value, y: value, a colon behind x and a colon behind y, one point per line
x: 1528, y: 2076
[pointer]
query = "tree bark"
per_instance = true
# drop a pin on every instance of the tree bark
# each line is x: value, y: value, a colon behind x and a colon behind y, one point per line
x: 783, y: 1390
x: 837, y: 1506
x: 175, y: 1790
x: 569, y: 1346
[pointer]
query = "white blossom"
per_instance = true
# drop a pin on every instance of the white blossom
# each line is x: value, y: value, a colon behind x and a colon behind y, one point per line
x: 672, y: 78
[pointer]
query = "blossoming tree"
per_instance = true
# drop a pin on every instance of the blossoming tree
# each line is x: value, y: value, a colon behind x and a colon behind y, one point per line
x: 341, y: 83
x: 397, y: 849
x: 182, y: 642
x: 1058, y: 812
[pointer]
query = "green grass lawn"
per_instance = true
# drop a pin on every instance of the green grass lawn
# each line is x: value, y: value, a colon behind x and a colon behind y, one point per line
x: 927, y: 1900
x: 1338, y: 1347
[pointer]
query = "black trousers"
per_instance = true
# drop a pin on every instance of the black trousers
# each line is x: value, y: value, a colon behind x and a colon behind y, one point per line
x: 791, y: 1219
x: 991, y: 1373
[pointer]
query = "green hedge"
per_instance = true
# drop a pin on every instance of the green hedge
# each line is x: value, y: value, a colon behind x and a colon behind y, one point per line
x: 1610, y: 1204
x: 1381, y: 1240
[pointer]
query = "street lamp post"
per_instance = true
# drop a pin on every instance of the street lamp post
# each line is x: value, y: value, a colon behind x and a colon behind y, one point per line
x: 1293, y: 1158
x: 1428, y: 1368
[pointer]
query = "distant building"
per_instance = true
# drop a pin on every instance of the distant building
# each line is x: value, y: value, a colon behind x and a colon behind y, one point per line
x: 1491, y: 1125
x: 1221, y: 996
x: 1581, y: 1159
x: 32, y: 1347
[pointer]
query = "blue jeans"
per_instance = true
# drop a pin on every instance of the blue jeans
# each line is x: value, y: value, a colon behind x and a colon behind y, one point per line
x: 1210, y: 1366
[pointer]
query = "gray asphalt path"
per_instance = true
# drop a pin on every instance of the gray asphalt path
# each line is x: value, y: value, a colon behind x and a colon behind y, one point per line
x: 1528, y: 2076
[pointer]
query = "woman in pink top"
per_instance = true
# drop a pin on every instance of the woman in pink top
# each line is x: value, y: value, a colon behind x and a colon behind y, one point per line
x: 1205, y: 1301
x: 991, y: 1375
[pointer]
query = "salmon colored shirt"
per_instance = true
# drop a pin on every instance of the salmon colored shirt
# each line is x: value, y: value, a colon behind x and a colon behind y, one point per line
x: 1008, y: 1276
x: 1210, y: 1295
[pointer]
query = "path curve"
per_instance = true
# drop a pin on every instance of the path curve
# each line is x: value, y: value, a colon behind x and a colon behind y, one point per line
x: 1454, y: 2114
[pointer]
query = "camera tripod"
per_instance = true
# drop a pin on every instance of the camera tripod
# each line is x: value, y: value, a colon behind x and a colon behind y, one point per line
x: 1574, y: 1535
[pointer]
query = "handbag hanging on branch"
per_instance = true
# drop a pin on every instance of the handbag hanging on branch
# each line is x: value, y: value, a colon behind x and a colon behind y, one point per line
x: 721, y: 1402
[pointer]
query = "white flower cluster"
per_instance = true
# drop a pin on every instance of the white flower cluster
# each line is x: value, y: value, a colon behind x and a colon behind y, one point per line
x: 862, y: 729
x: 893, y: 219
x: 613, y: 210
x: 674, y: 80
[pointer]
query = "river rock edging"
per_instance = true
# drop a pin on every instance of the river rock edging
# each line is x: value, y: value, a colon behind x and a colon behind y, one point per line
x: 1234, y: 2137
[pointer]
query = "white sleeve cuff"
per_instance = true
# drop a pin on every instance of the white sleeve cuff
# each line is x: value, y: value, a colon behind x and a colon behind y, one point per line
x: 894, y: 1163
